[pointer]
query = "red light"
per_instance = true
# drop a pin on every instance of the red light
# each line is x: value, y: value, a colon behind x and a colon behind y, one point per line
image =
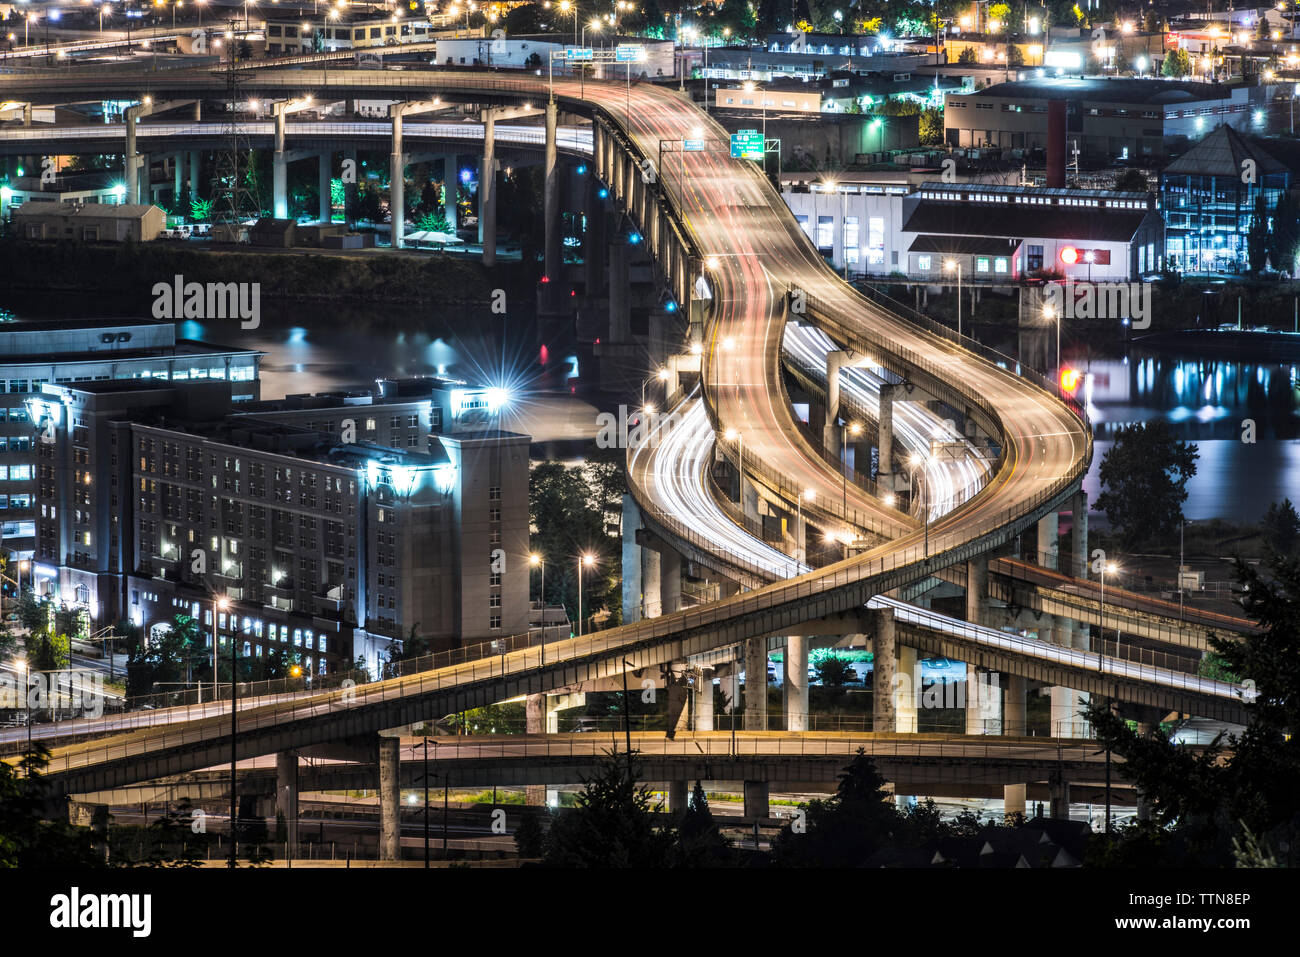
x: 572, y: 293
x: 1070, y: 379
x: 546, y: 279
x: 1069, y: 255
x: 544, y: 355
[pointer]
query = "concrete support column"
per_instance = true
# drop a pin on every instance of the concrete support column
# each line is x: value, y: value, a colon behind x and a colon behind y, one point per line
x: 554, y: 252
x: 982, y: 710
x: 450, y: 189
x: 620, y: 314
x: 756, y: 800
x: 704, y: 700
x: 831, y: 429
x: 324, y: 186
x: 652, y: 583
x: 730, y: 686
x: 1079, y: 535
x: 130, y: 167
x: 178, y: 180
x: 884, y: 703
x: 194, y: 174
x: 279, y: 166
x: 198, y: 111
x: 286, y: 795
x: 909, y: 672
x: 593, y: 241
x: 390, y: 800
x: 535, y: 723
x: 670, y: 584
x: 1014, y: 705
x: 756, y: 684
x: 487, y: 191
x: 1059, y: 798
x: 796, y: 683
x: 886, y: 422
x: 633, y: 589
x: 678, y: 793
x: 1048, y: 531
x: 1013, y: 801
x: 397, y: 180
x: 1143, y: 806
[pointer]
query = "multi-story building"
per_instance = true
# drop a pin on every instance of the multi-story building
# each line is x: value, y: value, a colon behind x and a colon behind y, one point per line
x: 1209, y: 196
x: 335, y: 524
x: 33, y: 353
x: 1106, y: 119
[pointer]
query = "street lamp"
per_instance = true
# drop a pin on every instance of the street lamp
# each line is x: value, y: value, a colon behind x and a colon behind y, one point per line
x: 535, y: 559
x: 220, y: 603
x: 584, y: 561
x: 1107, y: 568
x: 948, y: 266
x: 234, y: 723
x: 850, y: 428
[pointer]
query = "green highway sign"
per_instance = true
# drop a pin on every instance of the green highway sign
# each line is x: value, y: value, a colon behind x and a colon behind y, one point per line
x: 747, y: 144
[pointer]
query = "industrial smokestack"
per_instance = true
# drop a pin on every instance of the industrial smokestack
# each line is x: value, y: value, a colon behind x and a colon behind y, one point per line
x: 1056, y: 144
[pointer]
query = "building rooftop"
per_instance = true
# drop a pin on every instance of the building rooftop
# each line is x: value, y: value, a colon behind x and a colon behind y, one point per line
x: 1081, y: 223
x: 86, y: 210
x: 1222, y: 152
x: 190, y: 348
x: 1108, y: 90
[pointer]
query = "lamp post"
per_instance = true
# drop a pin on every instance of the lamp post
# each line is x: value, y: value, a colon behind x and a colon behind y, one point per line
x: 220, y: 603
x: 537, y: 559
x: 850, y: 428
x: 948, y: 266
x: 584, y: 561
x: 1107, y: 568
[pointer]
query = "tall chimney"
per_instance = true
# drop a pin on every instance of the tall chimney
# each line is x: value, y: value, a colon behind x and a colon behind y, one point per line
x: 1056, y: 144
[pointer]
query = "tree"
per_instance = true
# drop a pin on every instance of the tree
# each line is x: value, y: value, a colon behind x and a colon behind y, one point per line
x: 48, y: 650
x: 612, y: 824
x: 930, y: 128
x: 1282, y: 529
x: 1132, y: 181
x: 846, y: 829
x: 27, y: 838
x: 1257, y: 237
x: 1240, y: 796
x: 699, y: 841
x: 833, y: 672
x: 1144, y: 482
x: 1177, y: 64
x: 1015, y: 56
x: 967, y: 55
x: 1285, y: 237
x: 170, y: 659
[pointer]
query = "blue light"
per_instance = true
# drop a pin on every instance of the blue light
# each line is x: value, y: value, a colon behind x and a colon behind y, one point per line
x: 466, y: 175
x: 634, y: 238
x: 582, y: 170
x: 604, y: 193
x: 670, y: 306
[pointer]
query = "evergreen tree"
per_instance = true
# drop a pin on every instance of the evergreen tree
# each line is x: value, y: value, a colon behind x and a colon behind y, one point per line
x: 612, y: 825
x: 1144, y: 482
x: 846, y: 829
x: 1257, y: 237
x: 1282, y: 529
x: 699, y: 841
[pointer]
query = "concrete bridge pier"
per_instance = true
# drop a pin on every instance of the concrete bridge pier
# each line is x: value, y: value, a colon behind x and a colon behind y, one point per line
x: 756, y: 684
x: 756, y: 799
x: 593, y: 246
x: 286, y: 794
x: 280, y: 164
x: 396, y: 180
x: 535, y: 723
x: 178, y: 180
x: 1058, y: 798
x: 390, y: 800
x: 983, y: 700
x: 884, y: 710
x: 1014, y: 705
x: 670, y: 581
x: 552, y: 248
x: 831, y: 428
x: 324, y: 186
x: 796, y: 683
x: 729, y: 685
x: 131, y: 160
x: 194, y: 174
x: 885, y: 431
x: 678, y: 794
x: 704, y: 700
x: 1013, y: 801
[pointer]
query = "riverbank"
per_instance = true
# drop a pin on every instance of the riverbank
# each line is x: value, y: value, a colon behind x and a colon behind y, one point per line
x: 372, y: 277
